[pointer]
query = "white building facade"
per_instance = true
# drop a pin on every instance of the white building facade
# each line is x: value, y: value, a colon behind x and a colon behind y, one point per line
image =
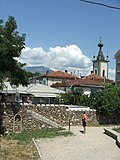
x: 117, y: 74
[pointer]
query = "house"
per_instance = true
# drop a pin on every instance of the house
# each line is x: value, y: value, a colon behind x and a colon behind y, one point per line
x: 87, y: 85
x: 55, y: 77
x: 33, y: 93
x: 90, y: 83
x: 39, y: 93
x: 117, y: 74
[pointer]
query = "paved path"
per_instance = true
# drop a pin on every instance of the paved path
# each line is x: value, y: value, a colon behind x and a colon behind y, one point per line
x: 94, y: 145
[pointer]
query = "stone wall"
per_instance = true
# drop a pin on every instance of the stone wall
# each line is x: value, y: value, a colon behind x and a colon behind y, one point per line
x: 28, y: 122
x: 58, y: 114
x: 109, y: 119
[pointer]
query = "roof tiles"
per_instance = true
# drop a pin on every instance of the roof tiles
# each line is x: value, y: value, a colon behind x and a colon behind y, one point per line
x: 60, y: 75
x: 91, y: 80
x: 78, y: 82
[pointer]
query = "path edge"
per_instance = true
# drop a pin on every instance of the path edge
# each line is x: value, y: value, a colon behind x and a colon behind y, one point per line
x: 113, y: 134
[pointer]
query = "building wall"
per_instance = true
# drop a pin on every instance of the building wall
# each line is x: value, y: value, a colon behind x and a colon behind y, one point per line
x: 117, y: 71
x: 50, y: 81
x: 104, y: 66
x: 95, y: 68
x: 86, y: 90
x: 99, y: 67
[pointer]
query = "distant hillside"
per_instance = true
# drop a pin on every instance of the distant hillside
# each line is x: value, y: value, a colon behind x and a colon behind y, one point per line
x: 41, y: 69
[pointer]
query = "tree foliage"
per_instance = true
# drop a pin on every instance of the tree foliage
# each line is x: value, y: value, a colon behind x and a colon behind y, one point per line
x: 75, y: 97
x: 11, y: 45
x: 107, y: 101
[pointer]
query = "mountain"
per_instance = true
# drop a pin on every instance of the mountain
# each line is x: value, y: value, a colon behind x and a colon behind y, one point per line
x: 41, y: 69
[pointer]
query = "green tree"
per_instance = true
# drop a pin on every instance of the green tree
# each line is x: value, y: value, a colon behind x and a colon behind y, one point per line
x: 67, y: 98
x: 11, y: 45
x: 79, y: 97
x: 36, y: 74
x: 75, y: 97
x: 107, y: 101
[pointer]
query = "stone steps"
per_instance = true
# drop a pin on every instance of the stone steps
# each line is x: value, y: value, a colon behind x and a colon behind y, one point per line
x: 43, y: 119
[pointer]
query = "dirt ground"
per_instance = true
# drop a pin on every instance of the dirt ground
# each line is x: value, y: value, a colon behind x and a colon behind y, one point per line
x: 14, y: 150
x: 94, y: 145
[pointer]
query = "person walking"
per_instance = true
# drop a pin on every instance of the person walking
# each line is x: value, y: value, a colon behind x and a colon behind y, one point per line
x: 84, y: 122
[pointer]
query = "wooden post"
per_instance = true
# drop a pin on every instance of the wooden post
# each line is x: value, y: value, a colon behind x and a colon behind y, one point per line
x: 69, y: 123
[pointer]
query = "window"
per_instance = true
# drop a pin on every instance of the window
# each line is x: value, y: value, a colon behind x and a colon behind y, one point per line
x: 103, y: 74
x: 96, y: 71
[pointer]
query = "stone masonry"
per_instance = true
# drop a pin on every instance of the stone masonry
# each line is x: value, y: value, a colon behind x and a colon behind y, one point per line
x: 58, y: 114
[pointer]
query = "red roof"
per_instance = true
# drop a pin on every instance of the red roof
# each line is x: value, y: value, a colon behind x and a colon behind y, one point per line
x: 59, y: 75
x: 95, y: 77
x: 78, y: 82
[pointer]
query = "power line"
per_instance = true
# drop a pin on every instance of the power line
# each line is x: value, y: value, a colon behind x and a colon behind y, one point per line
x: 101, y: 4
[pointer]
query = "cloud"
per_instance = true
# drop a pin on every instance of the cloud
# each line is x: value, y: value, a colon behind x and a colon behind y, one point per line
x: 33, y: 56
x: 68, y: 58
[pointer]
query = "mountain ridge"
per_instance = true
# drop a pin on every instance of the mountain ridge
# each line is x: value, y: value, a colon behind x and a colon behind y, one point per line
x: 41, y: 69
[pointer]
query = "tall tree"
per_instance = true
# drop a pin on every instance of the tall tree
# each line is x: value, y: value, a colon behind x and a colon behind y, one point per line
x: 11, y: 45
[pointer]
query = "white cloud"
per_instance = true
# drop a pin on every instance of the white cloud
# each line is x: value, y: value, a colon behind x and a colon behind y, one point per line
x: 68, y: 58
x: 33, y: 56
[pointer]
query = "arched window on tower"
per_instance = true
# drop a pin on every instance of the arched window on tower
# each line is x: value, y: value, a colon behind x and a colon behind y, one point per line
x: 96, y: 71
x: 103, y: 74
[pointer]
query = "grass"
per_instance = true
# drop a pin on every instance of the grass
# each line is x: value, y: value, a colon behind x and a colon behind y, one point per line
x: 117, y: 129
x: 11, y: 149
x: 20, y: 146
x: 26, y: 136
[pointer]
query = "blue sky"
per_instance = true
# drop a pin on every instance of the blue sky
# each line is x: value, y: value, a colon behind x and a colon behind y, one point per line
x: 64, y: 34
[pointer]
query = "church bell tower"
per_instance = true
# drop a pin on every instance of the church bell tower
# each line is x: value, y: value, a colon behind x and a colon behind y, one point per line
x: 100, y: 64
